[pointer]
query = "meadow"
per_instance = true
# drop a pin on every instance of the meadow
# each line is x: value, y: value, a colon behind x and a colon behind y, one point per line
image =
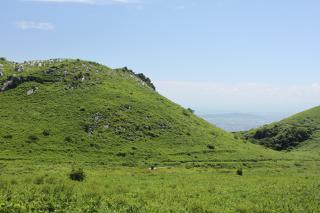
x: 288, y: 186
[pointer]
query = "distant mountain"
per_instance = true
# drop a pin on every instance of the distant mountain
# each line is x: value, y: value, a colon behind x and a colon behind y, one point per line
x: 234, y: 122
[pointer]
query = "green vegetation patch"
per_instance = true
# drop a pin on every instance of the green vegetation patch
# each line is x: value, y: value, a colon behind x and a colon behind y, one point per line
x: 288, y: 134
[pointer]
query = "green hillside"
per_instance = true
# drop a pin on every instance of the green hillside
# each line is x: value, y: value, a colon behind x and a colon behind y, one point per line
x: 299, y: 131
x: 81, y: 111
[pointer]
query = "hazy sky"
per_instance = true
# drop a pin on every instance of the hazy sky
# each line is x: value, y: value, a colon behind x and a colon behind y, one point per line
x: 211, y: 55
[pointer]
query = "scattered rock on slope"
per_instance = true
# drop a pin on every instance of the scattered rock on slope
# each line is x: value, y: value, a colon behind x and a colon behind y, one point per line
x: 1, y: 70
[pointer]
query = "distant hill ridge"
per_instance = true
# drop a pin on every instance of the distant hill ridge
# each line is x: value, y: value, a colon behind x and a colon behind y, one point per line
x: 293, y: 132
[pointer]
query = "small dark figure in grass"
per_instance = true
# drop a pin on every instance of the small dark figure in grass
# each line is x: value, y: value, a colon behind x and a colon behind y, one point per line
x: 46, y: 132
x: 32, y: 139
x: 239, y: 172
x: 152, y: 168
x: 77, y: 175
x: 210, y: 146
x: 8, y: 136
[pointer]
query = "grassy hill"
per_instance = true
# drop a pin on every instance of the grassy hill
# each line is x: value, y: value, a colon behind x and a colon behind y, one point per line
x: 299, y: 131
x: 81, y: 111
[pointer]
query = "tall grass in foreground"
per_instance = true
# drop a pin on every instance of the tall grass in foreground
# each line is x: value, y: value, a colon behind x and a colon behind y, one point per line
x: 162, y: 190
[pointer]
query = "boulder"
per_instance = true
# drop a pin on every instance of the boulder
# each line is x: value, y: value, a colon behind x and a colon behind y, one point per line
x: 30, y: 91
x: 1, y: 70
x: 7, y: 85
x: 19, y: 68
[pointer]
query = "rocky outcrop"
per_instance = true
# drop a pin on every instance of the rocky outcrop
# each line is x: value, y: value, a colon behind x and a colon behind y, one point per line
x: 13, y: 82
x: 1, y: 70
x: 32, y: 90
x: 144, y: 79
x: 19, y: 68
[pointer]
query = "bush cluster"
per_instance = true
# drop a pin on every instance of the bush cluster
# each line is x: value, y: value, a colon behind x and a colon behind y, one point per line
x: 77, y: 174
x: 32, y: 139
x: 210, y: 146
x: 282, y: 138
x: 239, y: 172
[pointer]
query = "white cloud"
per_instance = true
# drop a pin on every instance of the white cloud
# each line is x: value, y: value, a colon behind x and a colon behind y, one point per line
x: 26, y: 25
x: 246, y: 97
x: 185, y: 6
x: 88, y: 1
x: 181, y: 7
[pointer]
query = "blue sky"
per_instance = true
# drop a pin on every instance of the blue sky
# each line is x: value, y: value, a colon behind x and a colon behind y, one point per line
x: 211, y: 55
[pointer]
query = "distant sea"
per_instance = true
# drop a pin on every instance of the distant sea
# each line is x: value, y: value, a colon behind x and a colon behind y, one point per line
x: 234, y: 122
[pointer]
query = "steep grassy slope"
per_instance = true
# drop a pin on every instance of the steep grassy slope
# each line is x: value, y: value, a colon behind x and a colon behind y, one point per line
x: 80, y: 111
x: 301, y: 130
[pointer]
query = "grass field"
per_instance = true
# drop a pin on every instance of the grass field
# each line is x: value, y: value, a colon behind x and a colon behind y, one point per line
x: 268, y: 187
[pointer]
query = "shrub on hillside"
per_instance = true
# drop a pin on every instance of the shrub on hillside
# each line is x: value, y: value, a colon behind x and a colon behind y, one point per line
x: 191, y: 110
x: 239, y: 172
x: 265, y: 132
x: 32, y: 139
x: 141, y: 76
x: 121, y: 154
x: 186, y: 112
x: 46, y: 132
x: 69, y: 139
x: 210, y: 146
x: 146, y: 80
x: 282, y: 138
x: 77, y: 174
x: 38, y: 180
x: 8, y: 136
